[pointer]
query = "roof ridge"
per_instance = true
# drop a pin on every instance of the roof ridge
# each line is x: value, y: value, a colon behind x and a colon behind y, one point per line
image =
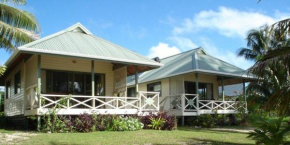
x: 181, y: 53
x: 123, y: 48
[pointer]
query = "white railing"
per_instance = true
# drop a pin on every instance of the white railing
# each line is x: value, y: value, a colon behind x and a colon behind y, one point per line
x: 147, y: 101
x: 183, y: 102
x: 220, y: 105
x: 191, y: 102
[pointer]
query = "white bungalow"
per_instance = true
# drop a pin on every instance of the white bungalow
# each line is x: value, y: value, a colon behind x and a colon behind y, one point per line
x: 193, y: 83
x: 87, y: 72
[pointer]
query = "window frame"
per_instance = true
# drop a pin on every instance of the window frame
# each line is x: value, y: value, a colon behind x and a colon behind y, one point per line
x: 155, y: 83
x: 16, y: 87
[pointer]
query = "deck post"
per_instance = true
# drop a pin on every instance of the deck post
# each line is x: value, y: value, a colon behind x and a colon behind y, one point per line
x: 93, y: 82
x: 39, y: 89
x: 182, y: 120
x: 244, y: 93
x: 196, y: 92
x: 223, y: 92
x: 136, y: 80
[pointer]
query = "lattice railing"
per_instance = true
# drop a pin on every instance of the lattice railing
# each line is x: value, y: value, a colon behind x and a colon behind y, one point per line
x: 190, y: 102
x: 220, y: 105
x: 149, y: 100
x: 145, y: 101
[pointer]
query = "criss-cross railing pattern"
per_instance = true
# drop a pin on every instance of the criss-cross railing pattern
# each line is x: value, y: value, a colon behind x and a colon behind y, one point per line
x: 183, y: 101
x: 145, y: 101
x: 190, y: 102
x: 220, y: 105
x: 149, y: 100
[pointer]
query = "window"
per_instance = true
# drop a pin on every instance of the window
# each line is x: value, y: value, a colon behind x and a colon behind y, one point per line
x: 8, y: 89
x: 205, y: 90
x: 131, y: 92
x: 154, y: 87
x: 64, y: 82
x: 17, y: 83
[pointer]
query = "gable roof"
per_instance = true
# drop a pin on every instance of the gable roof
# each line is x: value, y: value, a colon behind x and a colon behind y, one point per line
x: 77, y: 41
x: 195, y: 60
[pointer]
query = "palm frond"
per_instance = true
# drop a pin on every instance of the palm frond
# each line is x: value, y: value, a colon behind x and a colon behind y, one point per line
x: 18, y: 18
x: 16, y: 2
x: 15, y: 36
x: 2, y: 70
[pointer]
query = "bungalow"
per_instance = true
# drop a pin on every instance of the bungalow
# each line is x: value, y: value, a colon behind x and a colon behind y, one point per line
x: 193, y: 83
x: 74, y: 72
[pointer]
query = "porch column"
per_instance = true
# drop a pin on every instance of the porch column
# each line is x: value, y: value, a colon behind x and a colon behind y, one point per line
x: 244, y: 90
x: 39, y: 80
x: 244, y: 93
x: 93, y: 81
x: 196, y: 92
x: 136, y: 80
x: 39, y: 89
x: 223, y: 89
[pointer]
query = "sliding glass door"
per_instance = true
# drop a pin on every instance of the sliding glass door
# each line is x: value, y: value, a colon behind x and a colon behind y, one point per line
x: 76, y: 83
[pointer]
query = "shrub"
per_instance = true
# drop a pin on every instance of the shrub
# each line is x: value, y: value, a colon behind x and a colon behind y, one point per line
x: 54, y: 123
x: 169, y: 122
x: 104, y: 122
x: 84, y: 123
x: 126, y: 124
x: 269, y: 131
x: 156, y: 123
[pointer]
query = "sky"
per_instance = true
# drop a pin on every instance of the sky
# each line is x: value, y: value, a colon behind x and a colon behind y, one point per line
x: 164, y: 27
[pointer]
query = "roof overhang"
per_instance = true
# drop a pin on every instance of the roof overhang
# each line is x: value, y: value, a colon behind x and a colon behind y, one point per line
x: 244, y: 77
x: 92, y: 57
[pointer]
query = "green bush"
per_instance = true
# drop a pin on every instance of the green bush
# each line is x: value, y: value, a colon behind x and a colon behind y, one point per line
x: 55, y: 124
x: 157, y: 123
x: 269, y: 131
x: 126, y: 124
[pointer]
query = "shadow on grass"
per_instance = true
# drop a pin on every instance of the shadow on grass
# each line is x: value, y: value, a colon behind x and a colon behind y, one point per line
x: 61, y: 143
x: 193, y: 141
x: 209, y: 130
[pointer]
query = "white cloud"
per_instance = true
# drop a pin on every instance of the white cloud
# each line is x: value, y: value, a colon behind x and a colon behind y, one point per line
x: 183, y: 43
x: 227, y: 21
x: 162, y: 50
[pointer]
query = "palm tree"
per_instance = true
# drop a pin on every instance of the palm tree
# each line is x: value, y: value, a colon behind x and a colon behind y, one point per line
x: 17, y: 27
x: 273, y: 76
x: 257, y: 44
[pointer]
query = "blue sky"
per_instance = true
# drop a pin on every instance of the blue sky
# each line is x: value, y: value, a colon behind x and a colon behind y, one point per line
x: 162, y: 28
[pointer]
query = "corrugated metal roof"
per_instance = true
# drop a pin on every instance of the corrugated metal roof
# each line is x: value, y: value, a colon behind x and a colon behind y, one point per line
x: 195, y: 60
x: 78, y: 41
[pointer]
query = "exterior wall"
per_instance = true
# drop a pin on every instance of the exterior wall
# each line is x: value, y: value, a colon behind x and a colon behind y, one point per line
x: 15, y: 104
x: 78, y: 65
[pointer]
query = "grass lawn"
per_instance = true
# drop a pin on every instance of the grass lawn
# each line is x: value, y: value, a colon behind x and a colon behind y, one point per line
x: 184, y: 135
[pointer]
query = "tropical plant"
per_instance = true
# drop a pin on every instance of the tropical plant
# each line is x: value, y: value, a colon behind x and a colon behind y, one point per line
x: 157, y: 123
x: 126, y: 124
x: 269, y: 131
x: 55, y: 124
x: 170, y: 122
x: 257, y: 44
x: 17, y: 27
x: 84, y: 123
x: 2, y: 70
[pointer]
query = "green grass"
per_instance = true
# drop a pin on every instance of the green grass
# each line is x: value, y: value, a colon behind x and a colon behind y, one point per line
x: 183, y: 135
